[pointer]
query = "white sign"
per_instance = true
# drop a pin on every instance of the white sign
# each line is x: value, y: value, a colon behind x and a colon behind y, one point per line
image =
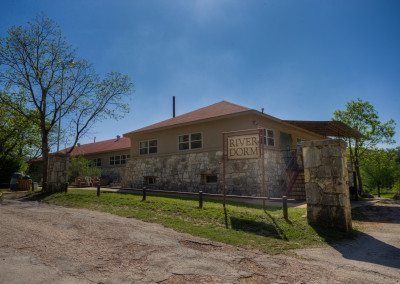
x: 243, y: 147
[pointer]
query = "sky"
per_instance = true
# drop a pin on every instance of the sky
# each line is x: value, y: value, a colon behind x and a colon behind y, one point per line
x: 299, y: 60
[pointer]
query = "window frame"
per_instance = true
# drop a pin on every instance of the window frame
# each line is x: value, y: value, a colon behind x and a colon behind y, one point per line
x: 190, y: 141
x: 124, y: 159
x: 266, y: 137
x: 119, y: 160
x: 147, y: 147
x: 147, y: 180
x: 97, y: 162
x: 205, y: 177
x: 113, y: 159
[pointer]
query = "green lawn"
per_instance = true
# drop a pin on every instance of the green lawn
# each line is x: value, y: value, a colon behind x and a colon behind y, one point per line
x: 385, y: 194
x: 248, y: 226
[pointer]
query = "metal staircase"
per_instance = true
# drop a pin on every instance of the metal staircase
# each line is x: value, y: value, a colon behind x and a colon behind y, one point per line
x: 293, y: 185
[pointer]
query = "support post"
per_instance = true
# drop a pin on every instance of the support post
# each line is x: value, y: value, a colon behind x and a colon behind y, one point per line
x: 144, y: 194
x: 262, y: 153
x: 224, y: 158
x: 327, y: 184
x: 66, y: 187
x: 98, y: 189
x: 284, y: 207
x: 201, y: 199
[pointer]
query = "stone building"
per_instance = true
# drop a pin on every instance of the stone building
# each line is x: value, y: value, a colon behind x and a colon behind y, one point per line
x: 108, y: 155
x: 184, y: 153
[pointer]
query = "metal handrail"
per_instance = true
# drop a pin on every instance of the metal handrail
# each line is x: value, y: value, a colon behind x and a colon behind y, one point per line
x: 291, y: 171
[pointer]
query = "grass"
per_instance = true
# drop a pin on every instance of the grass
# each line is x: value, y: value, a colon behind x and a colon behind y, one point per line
x: 385, y: 193
x: 248, y: 226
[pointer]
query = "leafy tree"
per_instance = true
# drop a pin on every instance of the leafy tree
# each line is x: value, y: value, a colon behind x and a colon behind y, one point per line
x: 398, y: 155
x: 379, y: 169
x: 42, y: 74
x: 80, y: 166
x: 19, y: 141
x: 361, y: 115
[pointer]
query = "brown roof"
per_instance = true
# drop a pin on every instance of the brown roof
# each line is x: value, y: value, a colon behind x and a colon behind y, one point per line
x: 215, y: 110
x: 224, y: 108
x: 110, y: 145
x: 327, y: 128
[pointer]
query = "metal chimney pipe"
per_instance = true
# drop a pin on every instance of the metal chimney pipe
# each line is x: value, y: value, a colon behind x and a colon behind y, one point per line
x: 173, y: 106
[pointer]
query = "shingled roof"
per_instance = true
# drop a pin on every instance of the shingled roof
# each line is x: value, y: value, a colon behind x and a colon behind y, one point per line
x: 110, y: 145
x: 224, y: 108
x: 215, y: 110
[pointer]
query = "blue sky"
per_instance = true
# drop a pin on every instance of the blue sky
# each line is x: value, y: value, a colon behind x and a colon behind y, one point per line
x: 296, y: 59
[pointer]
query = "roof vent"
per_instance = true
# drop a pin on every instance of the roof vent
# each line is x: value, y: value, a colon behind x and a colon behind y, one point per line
x: 78, y: 144
x: 118, y: 137
x: 262, y: 110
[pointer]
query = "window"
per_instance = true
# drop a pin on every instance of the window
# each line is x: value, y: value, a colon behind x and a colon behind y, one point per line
x: 190, y: 141
x: 209, y: 178
x: 269, y: 137
x: 117, y: 160
x: 183, y: 142
x: 149, y: 180
x: 97, y: 162
x: 148, y: 147
x: 124, y: 158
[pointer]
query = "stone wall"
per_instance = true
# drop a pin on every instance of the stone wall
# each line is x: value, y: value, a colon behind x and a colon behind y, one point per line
x: 57, y: 172
x: 326, y: 183
x: 187, y: 171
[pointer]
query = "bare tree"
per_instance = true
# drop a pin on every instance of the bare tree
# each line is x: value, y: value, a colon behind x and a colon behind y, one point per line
x: 40, y: 71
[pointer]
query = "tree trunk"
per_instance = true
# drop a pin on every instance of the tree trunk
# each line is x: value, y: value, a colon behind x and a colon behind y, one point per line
x: 357, y: 168
x: 45, y: 156
x: 379, y: 191
x: 355, y: 183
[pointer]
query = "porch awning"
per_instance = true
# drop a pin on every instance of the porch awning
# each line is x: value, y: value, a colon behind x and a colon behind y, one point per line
x: 327, y: 128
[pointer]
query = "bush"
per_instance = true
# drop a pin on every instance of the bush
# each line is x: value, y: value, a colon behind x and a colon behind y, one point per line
x: 80, y: 166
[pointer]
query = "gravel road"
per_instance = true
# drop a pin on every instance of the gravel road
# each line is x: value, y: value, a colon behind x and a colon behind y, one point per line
x: 41, y: 243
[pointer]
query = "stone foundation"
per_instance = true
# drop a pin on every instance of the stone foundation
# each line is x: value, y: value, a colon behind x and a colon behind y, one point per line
x: 188, y: 171
x: 57, y: 172
x: 326, y: 184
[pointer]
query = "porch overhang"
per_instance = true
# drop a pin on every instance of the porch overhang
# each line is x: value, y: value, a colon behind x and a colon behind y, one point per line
x: 327, y: 128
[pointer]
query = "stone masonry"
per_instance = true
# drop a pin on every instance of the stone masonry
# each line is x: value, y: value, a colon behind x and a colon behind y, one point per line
x: 326, y: 184
x: 187, y: 171
x: 57, y: 172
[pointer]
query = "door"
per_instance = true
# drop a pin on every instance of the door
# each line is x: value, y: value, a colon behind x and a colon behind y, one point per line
x: 286, y: 144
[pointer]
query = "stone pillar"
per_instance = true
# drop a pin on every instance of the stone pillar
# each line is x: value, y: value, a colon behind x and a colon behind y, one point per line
x: 326, y: 184
x: 57, y: 172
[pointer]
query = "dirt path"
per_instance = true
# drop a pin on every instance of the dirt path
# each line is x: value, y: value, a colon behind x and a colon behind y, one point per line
x: 40, y: 243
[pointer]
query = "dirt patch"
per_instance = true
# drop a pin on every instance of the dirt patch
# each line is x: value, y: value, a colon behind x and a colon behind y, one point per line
x: 200, y: 246
x: 41, y: 243
x: 375, y: 252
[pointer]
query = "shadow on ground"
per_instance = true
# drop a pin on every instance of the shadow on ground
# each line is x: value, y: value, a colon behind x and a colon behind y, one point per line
x: 255, y: 227
x: 363, y: 246
x: 366, y: 248
x: 386, y: 211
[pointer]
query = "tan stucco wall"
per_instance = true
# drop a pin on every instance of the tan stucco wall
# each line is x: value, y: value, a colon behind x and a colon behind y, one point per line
x: 212, y: 133
x: 105, y: 158
x: 113, y: 171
